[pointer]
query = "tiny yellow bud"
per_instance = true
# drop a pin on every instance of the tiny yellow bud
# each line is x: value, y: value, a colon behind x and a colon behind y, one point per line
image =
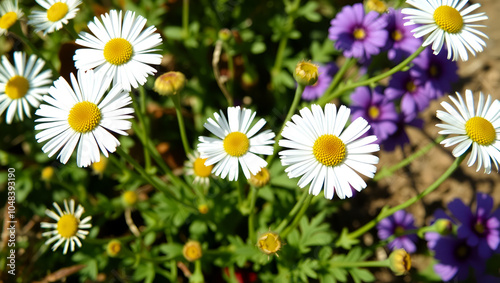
x: 100, y: 166
x: 114, y: 247
x: 400, y: 262
x: 269, y: 243
x: 192, y: 250
x: 443, y: 226
x: 170, y: 83
x: 129, y: 198
x: 306, y: 73
x: 260, y: 179
x: 225, y: 34
x: 47, y: 173
x: 203, y: 208
x: 376, y: 5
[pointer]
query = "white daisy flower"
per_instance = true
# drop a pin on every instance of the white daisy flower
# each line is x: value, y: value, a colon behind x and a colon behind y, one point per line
x: 68, y: 228
x: 477, y: 128
x: 22, y: 85
x: 325, y: 154
x: 447, y: 22
x: 57, y: 13
x: 85, y: 115
x: 10, y: 13
x: 235, y: 143
x: 196, y: 167
x: 120, y: 49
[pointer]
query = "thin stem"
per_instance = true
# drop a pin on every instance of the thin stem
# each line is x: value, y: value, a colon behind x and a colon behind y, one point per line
x: 297, y: 218
x: 292, y: 212
x: 390, y: 211
x: 324, y: 99
x: 180, y: 120
x: 185, y: 18
x: 218, y: 78
x: 338, y: 76
x: 353, y: 264
x: 140, y: 110
x: 385, y: 172
x: 291, y: 111
x: 70, y: 28
x: 251, y: 217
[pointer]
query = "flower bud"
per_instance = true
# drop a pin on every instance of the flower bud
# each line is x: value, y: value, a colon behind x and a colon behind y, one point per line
x: 192, y: 251
x: 269, y: 243
x: 260, y: 179
x: 170, y: 83
x: 376, y: 5
x: 400, y: 262
x: 114, y: 247
x: 47, y: 173
x: 443, y: 226
x: 306, y: 73
x: 129, y: 198
x: 203, y: 208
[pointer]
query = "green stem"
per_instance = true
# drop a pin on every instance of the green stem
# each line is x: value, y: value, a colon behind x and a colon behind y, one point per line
x: 230, y: 66
x: 197, y: 276
x: 325, y: 98
x: 386, y: 212
x: 297, y: 218
x: 140, y: 110
x: 291, y: 111
x: 354, y: 264
x: 70, y: 28
x: 185, y: 18
x: 385, y: 172
x: 340, y: 74
x: 180, y: 120
x: 292, y: 212
x: 251, y: 217
x: 153, y: 181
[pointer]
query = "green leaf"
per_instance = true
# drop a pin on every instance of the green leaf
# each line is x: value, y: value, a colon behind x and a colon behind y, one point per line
x: 361, y: 275
x: 258, y: 47
x: 345, y: 241
x: 171, y: 250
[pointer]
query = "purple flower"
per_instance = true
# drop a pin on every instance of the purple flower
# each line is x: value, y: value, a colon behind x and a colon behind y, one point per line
x: 399, y: 137
x: 326, y: 73
x: 376, y: 109
x: 481, y: 230
x: 401, y: 42
x: 358, y: 34
x: 413, y: 95
x: 455, y: 257
x: 436, y: 72
x: 396, y: 224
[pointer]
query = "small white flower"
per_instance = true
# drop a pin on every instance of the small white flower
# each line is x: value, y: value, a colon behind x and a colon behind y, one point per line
x: 57, y: 13
x: 68, y: 228
x: 477, y: 128
x: 447, y: 22
x: 196, y: 167
x: 83, y: 115
x: 9, y: 14
x: 235, y: 143
x: 325, y: 154
x: 120, y: 49
x: 22, y: 85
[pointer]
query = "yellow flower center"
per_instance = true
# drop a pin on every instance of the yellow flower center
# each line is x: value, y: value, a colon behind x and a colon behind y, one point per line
x: 192, y: 250
x: 118, y: 51
x: 479, y: 227
x: 374, y: 112
x: 57, y: 11
x: 462, y: 251
x: 260, y: 179
x: 203, y: 208
x: 269, y: 243
x: 329, y: 150
x: 448, y: 19
x: 434, y: 71
x: 359, y: 33
x: 399, y: 230
x: 7, y: 20
x: 410, y: 86
x: 236, y: 144
x: 17, y: 87
x: 397, y: 35
x: 376, y: 5
x: 47, y: 173
x: 130, y: 197
x: 480, y: 131
x: 114, y: 248
x: 84, y: 117
x: 200, y: 169
x: 67, y: 226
